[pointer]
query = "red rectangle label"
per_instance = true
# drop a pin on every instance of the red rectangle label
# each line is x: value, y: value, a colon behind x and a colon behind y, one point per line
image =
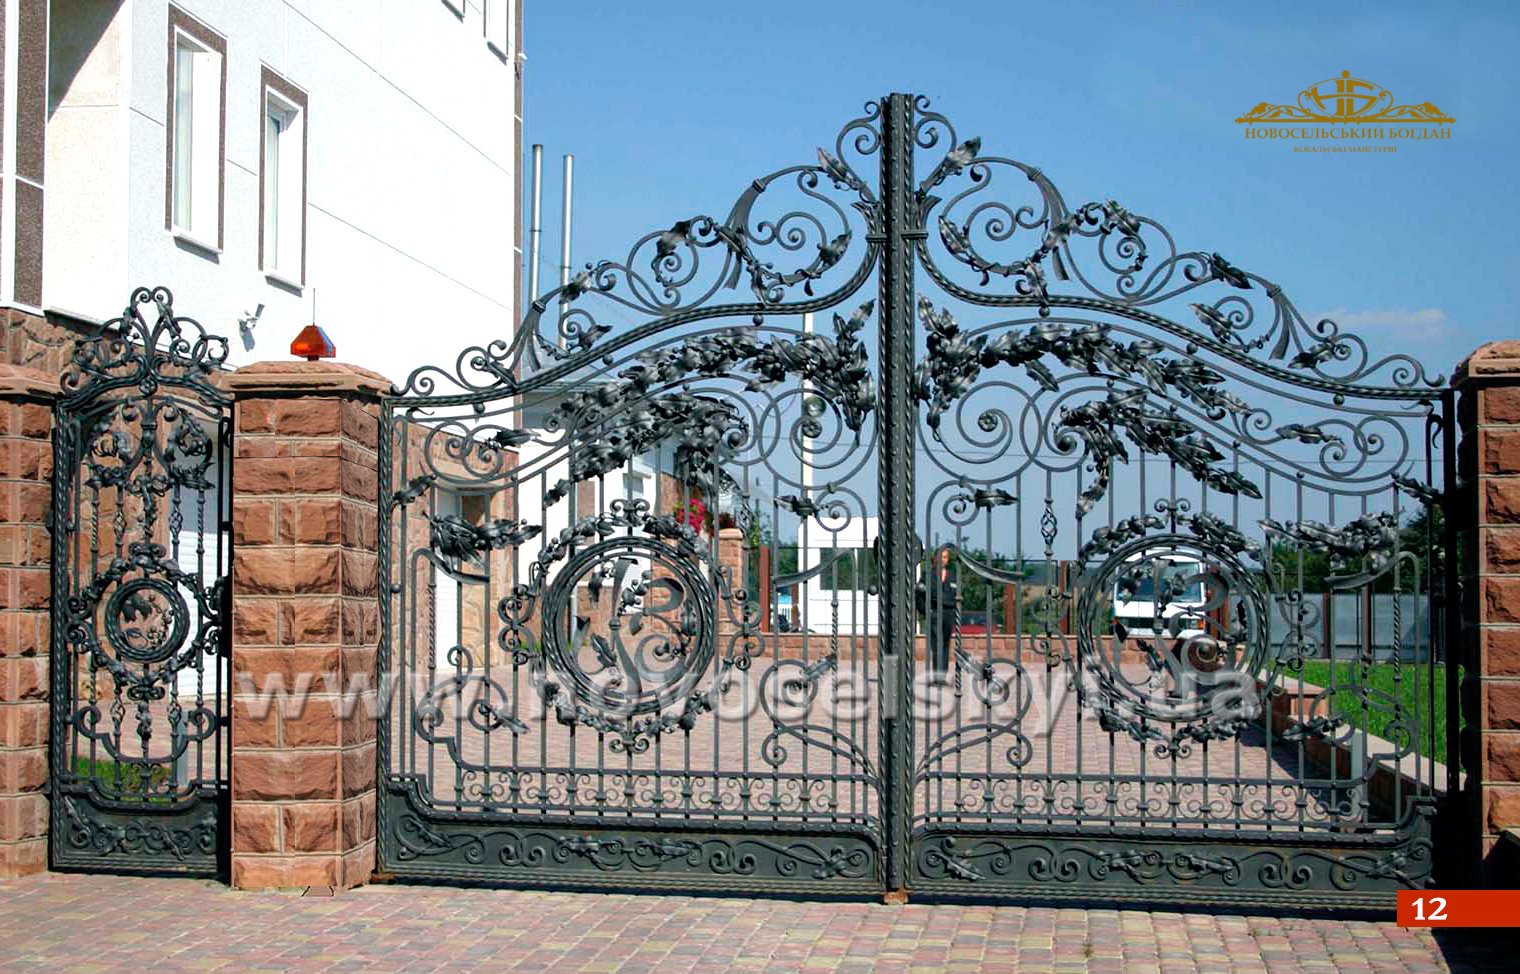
x: 1459, y: 908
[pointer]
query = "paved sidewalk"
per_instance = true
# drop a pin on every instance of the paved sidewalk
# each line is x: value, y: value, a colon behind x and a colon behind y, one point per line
x: 83, y: 924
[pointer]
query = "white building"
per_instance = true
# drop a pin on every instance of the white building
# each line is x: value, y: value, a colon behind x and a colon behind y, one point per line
x: 266, y: 152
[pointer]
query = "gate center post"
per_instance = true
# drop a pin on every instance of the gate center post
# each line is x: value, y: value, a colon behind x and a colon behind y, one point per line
x: 898, y: 415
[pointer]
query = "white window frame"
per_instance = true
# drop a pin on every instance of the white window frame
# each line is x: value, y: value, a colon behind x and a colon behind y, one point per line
x: 195, y: 184
x: 282, y: 188
x: 498, y: 27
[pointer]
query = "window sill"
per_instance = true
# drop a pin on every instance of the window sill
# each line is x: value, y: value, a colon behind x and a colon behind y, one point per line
x: 191, y: 242
x: 281, y: 281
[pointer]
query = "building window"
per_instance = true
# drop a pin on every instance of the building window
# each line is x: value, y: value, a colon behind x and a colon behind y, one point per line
x: 282, y: 180
x: 633, y: 485
x: 499, y: 27
x: 196, y: 145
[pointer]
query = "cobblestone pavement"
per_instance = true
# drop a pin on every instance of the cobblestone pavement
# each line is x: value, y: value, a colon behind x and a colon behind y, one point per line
x: 81, y: 924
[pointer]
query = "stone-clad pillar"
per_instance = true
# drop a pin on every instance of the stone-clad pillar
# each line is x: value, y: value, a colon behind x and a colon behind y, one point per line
x: 305, y: 616
x: 1488, y: 510
x: 26, y: 469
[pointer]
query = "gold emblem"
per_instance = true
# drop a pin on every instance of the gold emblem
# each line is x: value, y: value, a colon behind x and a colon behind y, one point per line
x: 1346, y: 99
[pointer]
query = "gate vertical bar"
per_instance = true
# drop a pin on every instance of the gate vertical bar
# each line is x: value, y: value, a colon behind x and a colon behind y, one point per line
x: 895, y: 484
x: 1451, y: 857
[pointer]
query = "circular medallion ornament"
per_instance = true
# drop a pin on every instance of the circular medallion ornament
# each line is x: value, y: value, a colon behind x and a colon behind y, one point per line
x: 147, y: 620
x: 630, y: 625
x: 1172, y: 634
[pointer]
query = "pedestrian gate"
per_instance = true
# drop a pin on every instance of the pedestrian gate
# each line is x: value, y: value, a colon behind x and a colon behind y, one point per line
x: 911, y: 528
x: 140, y: 675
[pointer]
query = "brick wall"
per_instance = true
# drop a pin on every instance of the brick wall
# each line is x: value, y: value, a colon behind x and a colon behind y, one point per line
x: 26, y: 466
x: 37, y: 342
x: 1488, y: 505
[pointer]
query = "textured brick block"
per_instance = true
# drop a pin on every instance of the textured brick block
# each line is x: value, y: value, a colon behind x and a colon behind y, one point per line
x: 23, y: 817
x: 270, y: 872
x: 1503, y: 705
x: 285, y: 775
x: 254, y: 724
x: 361, y: 622
x: 358, y: 821
x: 289, y: 665
x: 24, y: 725
x: 1502, y: 549
x: 1502, y: 804
x: 360, y: 526
x: 1502, y: 405
x: 358, y: 661
x: 255, y: 622
x: 23, y: 678
x: 315, y: 416
x: 360, y: 573
x: 1502, y: 651
x: 1501, y: 599
x: 1499, y: 451
x: 358, y: 769
x: 253, y: 522
x: 288, y: 475
x: 36, y: 421
x: 362, y: 423
x: 312, y: 722
x: 285, y: 571
x: 313, y: 620
x: 23, y: 771
x: 359, y: 481
x: 312, y: 828
x: 358, y: 866
x: 1501, y: 500
x: 248, y: 445
x: 23, y: 858
x: 313, y: 522
x: 255, y: 415
x: 1503, y: 759
x: 255, y: 828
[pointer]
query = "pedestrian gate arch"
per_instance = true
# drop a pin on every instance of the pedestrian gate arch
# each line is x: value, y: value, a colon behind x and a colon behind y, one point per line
x: 1157, y: 564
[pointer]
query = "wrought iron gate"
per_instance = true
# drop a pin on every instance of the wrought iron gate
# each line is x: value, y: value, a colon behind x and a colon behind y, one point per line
x: 1077, y: 565
x: 140, y: 651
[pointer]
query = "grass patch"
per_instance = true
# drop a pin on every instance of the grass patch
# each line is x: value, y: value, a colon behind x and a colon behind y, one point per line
x: 131, y: 775
x: 1411, y: 689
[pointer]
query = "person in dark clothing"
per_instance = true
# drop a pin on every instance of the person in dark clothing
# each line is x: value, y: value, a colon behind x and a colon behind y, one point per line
x: 936, y: 597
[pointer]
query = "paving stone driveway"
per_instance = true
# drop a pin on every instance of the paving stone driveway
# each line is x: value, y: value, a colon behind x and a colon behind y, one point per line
x: 82, y: 924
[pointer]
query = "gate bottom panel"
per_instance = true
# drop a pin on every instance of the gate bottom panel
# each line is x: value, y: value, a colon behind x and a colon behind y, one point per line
x: 1322, y: 874
x: 417, y: 841
x: 93, y: 833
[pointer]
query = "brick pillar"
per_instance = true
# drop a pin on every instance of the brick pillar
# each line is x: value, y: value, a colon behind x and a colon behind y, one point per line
x: 26, y: 468
x: 1488, y: 509
x: 305, y: 610
x: 731, y: 560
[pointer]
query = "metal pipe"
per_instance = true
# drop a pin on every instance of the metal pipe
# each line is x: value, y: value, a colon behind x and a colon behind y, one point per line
x: 564, y: 240
x: 535, y: 221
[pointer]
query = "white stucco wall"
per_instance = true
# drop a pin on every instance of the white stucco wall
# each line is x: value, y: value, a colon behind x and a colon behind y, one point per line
x: 411, y: 201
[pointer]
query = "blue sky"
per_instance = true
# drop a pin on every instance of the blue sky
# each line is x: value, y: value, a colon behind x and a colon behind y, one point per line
x: 672, y: 107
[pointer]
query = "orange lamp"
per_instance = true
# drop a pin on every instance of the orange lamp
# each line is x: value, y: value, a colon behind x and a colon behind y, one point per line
x: 313, y: 344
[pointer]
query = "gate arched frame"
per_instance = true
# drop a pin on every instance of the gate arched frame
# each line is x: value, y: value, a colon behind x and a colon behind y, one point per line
x: 566, y: 722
